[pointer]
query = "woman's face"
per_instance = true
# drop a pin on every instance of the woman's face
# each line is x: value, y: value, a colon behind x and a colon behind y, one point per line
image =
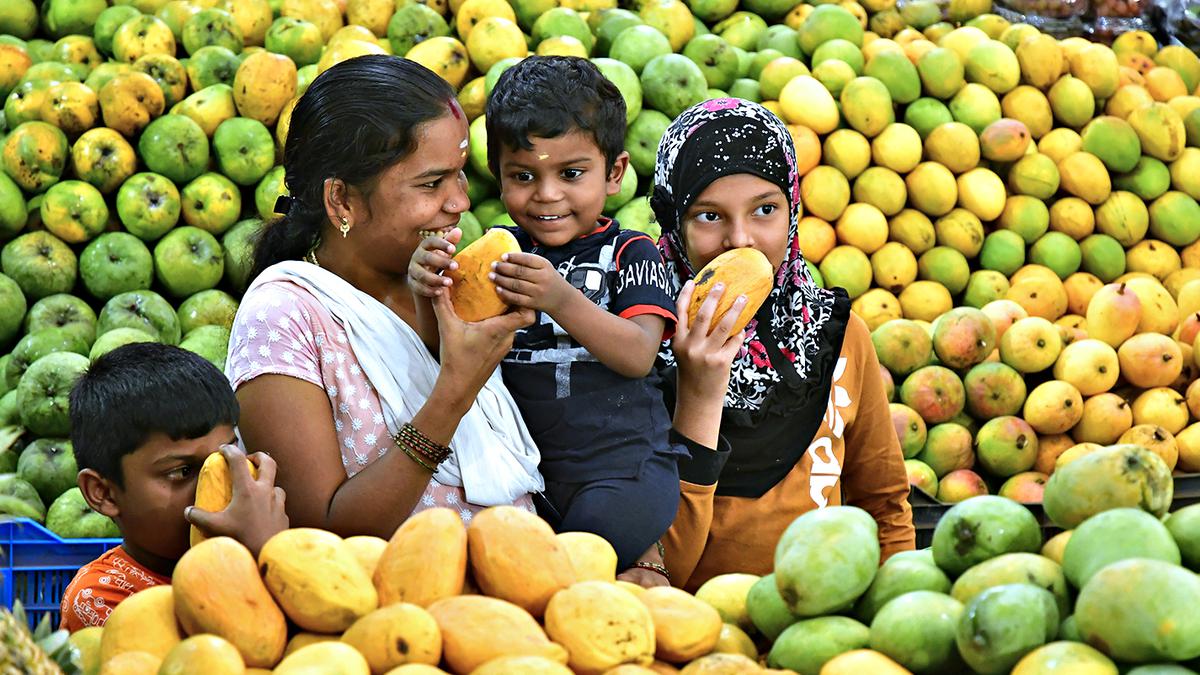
x: 424, y: 191
x: 736, y: 211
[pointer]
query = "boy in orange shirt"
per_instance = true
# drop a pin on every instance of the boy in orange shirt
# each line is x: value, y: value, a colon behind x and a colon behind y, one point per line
x: 143, y: 420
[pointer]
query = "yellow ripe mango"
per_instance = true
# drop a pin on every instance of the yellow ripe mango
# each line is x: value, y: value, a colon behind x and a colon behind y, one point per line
x: 217, y: 589
x: 214, y: 488
x: 131, y: 663
x: 202, y: 655
x: 473, y: 294
x: 476, y: 629
x: 685, y: 628
x: 367, y: 550
x: 316, y: 579
x: 515, y: 556
x: 403, y: 572
x: 395, y: 635
x: 592, y: 557
x: 744, y: 271
x: 805, y: 101
x: 601, y: 626
x: 301, y: 640
x: 723, y: 664
x: 143, y: 622
x: 526, y: 665
x: 328, y: 658
x: 263, y: 85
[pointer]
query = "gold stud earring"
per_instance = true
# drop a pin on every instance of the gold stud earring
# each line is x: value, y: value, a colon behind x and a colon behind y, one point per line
x: 344, y: 228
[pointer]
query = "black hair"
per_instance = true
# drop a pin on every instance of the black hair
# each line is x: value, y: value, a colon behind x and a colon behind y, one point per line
x: 356, y: 119
x: 142, y: 389
x: 548, y: 96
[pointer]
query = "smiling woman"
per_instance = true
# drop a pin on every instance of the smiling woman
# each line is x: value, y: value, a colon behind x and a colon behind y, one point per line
x: 365, y: 425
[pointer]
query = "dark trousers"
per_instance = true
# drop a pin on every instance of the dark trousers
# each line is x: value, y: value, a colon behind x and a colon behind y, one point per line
x: 631, y: 513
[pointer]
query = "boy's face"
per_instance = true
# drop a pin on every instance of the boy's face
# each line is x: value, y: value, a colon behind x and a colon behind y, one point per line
x: 555, y: 191
x: 160, y: 482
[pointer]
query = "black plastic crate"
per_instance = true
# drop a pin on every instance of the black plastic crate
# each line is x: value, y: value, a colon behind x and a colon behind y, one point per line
x: 927, y: 511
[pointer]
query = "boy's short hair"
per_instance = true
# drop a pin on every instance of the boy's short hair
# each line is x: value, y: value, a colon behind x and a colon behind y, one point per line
x: 142, y: 389
x: 548, y: 96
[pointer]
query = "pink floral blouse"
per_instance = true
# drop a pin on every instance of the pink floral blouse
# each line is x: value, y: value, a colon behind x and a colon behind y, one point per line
x: 281, y: 329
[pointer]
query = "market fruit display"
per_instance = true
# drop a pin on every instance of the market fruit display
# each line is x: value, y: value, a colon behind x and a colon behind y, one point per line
x: 949, y: 161
x: 1013, y: 215
x: 989, y: 596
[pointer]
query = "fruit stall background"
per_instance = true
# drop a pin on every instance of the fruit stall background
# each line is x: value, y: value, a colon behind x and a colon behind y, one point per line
x: 1008, y: 193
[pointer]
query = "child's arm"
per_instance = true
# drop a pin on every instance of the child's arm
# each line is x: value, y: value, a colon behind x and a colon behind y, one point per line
x: 626, y: 346
x: 255, y: 513
x: 433, y: 256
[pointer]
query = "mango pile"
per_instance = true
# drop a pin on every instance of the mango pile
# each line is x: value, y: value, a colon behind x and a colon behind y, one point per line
x: 951, y: 160
x: 992, y: 594
x: 505, y: 595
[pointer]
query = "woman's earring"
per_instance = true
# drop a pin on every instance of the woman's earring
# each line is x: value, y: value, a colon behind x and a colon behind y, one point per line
x: 345, y: 227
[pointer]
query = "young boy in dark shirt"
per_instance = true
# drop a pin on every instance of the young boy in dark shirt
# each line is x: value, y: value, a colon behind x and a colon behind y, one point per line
x: 582, y: 374
x: 143, y: 420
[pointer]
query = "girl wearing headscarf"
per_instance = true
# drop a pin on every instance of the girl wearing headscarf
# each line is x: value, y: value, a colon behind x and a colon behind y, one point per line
x: 799, y: 420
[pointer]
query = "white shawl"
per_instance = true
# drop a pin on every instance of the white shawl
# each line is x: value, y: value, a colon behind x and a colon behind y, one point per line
x: 494, y: 460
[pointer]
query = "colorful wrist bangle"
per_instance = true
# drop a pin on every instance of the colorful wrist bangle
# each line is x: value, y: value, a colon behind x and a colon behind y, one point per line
x: 416, y: 458
x: 653, y: 567
x: 422, y: 444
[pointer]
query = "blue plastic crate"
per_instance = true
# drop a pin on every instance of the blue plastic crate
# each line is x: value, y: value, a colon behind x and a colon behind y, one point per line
x: 36, y: 565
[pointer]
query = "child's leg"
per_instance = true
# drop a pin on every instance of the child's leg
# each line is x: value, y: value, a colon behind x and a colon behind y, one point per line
x: 631, y: 513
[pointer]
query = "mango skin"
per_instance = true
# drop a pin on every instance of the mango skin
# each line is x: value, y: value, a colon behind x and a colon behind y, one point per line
x: 316, y: 579
x: 744, y: 271
x: 515, y: 556
x: 473, y: 294
x: 403, y: 574
x: 803, y: 567
x: 218, y: 590
x: 143, y: 622
x: 1113, y: 477
x: 1141, y: 610
x: 214, y: 488
x: 476, y: 629
x: 395, y: 635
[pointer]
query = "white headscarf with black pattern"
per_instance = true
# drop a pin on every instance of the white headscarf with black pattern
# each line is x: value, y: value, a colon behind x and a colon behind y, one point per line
x: 723, y: 137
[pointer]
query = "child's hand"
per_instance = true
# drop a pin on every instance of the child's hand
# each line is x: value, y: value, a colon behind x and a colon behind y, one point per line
x: 705, y: 357
x: 529, y: 281
x: 644, y: 577
x: 255, y: 513
x: 433, y: 256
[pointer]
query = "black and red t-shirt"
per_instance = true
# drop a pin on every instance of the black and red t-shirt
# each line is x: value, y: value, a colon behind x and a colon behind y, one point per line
x: 590, y: 422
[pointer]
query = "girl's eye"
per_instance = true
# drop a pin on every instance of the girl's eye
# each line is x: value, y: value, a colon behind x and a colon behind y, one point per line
x: 523, y: 177
x: 707, y: 217
x: 432, y: 185
x: 572, y: 174
x: 180, y: 473
x: 765, y: 210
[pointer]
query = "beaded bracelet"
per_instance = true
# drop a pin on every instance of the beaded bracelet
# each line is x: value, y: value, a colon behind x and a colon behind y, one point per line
x: 412, y: 438
x: 653, y: 567
x: 415, y: 457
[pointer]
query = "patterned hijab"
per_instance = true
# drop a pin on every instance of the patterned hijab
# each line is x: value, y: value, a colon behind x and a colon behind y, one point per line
x: 718, y: 138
